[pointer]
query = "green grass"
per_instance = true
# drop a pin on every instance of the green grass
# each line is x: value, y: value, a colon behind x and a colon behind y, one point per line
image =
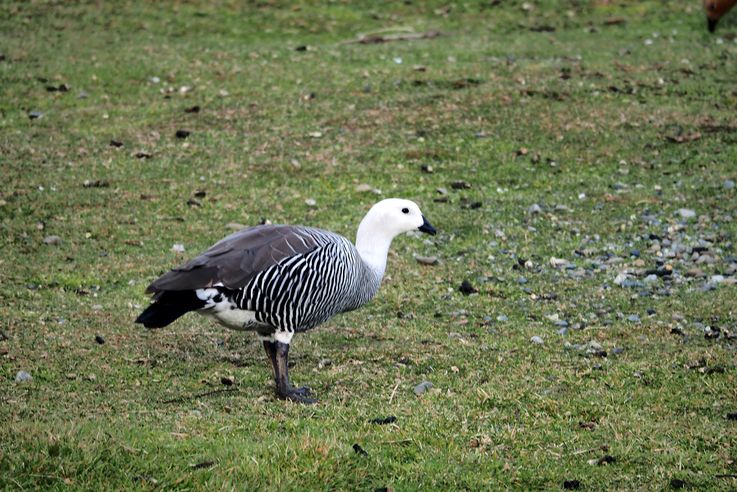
x: 595, y: 105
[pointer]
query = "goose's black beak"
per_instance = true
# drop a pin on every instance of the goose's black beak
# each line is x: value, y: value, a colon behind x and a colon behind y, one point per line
x: 711, y: 24
x: 427, y: 227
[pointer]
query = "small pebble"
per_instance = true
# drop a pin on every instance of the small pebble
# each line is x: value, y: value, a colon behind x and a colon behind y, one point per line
x: 460, y: 185
x: 695, y: 273
x: 633, y: 318
x: 502, y: 318
x: 22, y: 377
x: 707, y: 287
x: 359, y: 450
x: 534, y: 209
x: 559, y: 262
x: 686, y: 213
x: 427, y: 260
x: 466, y: 288
x: 620, y: 279
x: 537, y: 340
x: 422, y: 387
x: 677, y: 483
x: 177, y: 248
x: 728, y: 184
x: 52, y: 240
x: 633, y: 284
x: 593, y: 346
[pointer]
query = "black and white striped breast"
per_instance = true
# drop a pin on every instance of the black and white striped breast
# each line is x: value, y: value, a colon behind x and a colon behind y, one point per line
x: 300, y: 291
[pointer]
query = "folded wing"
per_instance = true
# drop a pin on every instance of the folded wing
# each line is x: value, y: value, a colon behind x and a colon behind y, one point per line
x: 234, y: 260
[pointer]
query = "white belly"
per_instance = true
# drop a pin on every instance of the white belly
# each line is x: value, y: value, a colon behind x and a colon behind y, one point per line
x: 226, y: 313
x: 235, y: 319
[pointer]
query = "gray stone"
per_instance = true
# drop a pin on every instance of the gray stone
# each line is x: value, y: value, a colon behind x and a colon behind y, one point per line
x: 52, y: 240
x: 728, y: 184
x: 620, y: 279
x: 707, y: 287
x: 695, y: 272
x: 686, y: 213
x: 593, y: 346
x: 537, y: 340
x: 22, y: 377
x: 422, y: 387
x: 559, y: 262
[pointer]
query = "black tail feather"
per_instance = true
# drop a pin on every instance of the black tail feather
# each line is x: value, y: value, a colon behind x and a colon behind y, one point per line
x: 169, y: 306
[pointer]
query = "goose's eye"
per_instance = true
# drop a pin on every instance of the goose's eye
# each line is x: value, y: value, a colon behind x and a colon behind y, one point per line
x: 405, y: 210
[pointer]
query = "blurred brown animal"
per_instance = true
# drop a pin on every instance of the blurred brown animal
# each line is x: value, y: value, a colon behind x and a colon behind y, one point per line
x: 715, y: 10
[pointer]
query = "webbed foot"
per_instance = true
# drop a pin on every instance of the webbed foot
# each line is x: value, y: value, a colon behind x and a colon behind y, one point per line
x: 298, y: 395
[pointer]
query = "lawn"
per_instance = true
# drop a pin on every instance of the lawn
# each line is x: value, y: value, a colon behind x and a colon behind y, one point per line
x: 577, y: 158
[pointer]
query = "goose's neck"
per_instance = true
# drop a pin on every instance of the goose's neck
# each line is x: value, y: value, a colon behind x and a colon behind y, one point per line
x: 373, y: 244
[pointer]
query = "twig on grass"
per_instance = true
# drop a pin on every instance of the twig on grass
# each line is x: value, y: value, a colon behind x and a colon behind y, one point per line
x: 375, y: 38
x: 591, y: 450
x: 181, y: 399
x: 394, y: 392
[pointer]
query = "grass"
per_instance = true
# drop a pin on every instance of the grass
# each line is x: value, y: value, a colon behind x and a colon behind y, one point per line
x: 599, y: 108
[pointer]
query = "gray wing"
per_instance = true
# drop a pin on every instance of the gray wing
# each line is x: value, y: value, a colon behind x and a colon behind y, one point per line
x: 234, y: 260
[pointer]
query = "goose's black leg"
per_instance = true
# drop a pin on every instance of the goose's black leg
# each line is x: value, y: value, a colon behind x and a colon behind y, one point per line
x: 279, y: 354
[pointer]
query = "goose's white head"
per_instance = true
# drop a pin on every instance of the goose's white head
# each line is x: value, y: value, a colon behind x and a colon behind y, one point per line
x: 386, y: 220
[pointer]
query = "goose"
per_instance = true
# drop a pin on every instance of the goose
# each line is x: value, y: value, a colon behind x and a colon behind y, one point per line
x: 278, y: 280
x: 715, y: 10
